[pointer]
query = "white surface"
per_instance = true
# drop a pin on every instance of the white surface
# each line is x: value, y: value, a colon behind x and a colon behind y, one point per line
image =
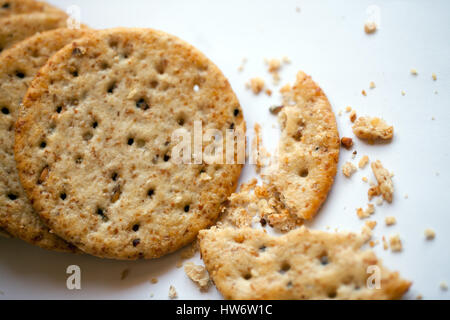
x: 327, y: 41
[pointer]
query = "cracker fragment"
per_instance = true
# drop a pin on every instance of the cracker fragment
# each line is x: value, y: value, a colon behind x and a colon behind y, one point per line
x: 369, y: 128
x: 172, y: 292
x: 352, y: 116
x: 395, y: 243
x: 347, y: 142
x: 256, y: 85
x: 414, y: 72
x: 443, y: 286
x: 362, y: 214
x: 430, y: 234
x: 434, y: 76
x: 370, y: 27
x: 348, y: 169
x: 302, y: 264
x: 363, y: 162
x: 390, y: 221
x: 198, y: 274
x: 385, y: 185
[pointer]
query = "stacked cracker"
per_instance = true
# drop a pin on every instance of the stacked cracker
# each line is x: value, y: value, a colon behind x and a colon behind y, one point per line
x: 93, y: 137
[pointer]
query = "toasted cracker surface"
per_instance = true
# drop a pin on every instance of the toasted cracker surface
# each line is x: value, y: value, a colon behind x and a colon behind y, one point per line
x: 303, y: 264
x: 308, y: 149
x: 18, y: 66
x: 16, y: 28
x: 107, y: 107
x: 12, y: 7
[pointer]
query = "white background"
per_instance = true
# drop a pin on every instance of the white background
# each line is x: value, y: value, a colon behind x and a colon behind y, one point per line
x: 326, y: 40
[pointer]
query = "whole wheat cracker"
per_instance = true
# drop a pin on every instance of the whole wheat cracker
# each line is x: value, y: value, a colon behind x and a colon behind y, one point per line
x: 308, y: 149
x: 106, y: 107
x: 18, y: 66
x: 12, y: 7
x: 302, y: 264
x: 16, y: 28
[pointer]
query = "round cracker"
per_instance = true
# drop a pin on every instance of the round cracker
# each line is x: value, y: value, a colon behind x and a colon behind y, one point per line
x: 106, y: 108
x: 16, y: 28
x: 308, y: 151
x: 18, y: 66
x: 11, y: 7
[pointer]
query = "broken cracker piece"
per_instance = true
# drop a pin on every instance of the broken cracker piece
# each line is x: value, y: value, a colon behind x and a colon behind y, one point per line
x: 347, y: 142
x: 172, y: 292
x: 302, y: 264
x: 395, y: 243
x: 372, y: 129
x: 348, y: 169
x: 198, y: 274
x: 430, y: 234
x: 256, y: 84
x: 390, y: 221
x: 363, y: 162
x: 370, y: 27
x: 385, y: 185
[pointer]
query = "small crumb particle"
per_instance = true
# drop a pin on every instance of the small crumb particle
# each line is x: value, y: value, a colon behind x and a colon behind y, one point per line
x: 275, y: 109
x: 379, y: 201
x: 406, y: 196
x: 256, y: 84
x: 243, y: 62
x: 390, y: 221
x: 297, y: 9
x: 371, y: 224
x: 403, y: 93
x: 364, y: 93
x: 124, y: 274
x: 362, y: 214
x: 268, y: 92
x: 172, y: 292
x: 363, y: 162
x: 433, y: 118
x: 430, y: 234
x: 179, y: 264
x: 286, y: 60
x: 414, y: 72
x: 419, y: 297
x: 348, y: 109
x: 347, y: 142
x: 274, y: 65
x: 352, y: 116
x: 370, y: 27
x: 154, y: 280
x: 372, y: 85
x: 385, y: 244
x: 354, y: 153
x: 395, y: 243
x: 348, y: 169
x: 364, y: 179
x: 434, y: 76
x: 443, y: 285
x: 340, y: 113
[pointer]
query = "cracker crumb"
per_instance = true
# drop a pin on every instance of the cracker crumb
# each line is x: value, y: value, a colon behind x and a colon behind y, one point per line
x: 379, y: 201
x: 198, y: 274
x: 385, y: 244
x: 371, y: 224
x: 364, y: 93
x: 362, y: 214
x: 403, y: 93
x: 390, y: 221
x: 268, y: 92
x: 364, y: 179
x: 352, y: 116
x: 297, y: 9
x: 406, y: 196
x: 434, y: 76
x: 348, y: 109
x: 395, y: 243
x: 275, y: 109
x: 347, y: 142
x: 372, y: 128
x: 179, y: 264
x: 370, y: 27
x: 430, y: 234
x: 372, y: 85
x: 354, y: 153
x: 419, y: 297
x: 363, y: 162
x: 256, y: 85
x: 154, y: 280
x: 385, y: 185
x: 286, y: 60
x: 243, y: 63
x: 348, y: 169
x: 124, y: 274
x: 172, y: 292
x: 340, y: 113
x: 414, y: 72
x: 443, y: 285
